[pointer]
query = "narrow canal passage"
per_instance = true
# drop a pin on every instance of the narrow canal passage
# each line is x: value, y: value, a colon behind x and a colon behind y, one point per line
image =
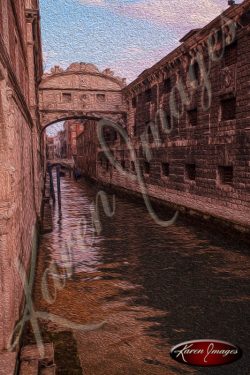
x: 153, y: 287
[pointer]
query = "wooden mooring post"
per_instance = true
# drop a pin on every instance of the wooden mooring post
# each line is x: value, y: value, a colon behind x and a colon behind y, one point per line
x: 51, y: 183
x: 58, y: 169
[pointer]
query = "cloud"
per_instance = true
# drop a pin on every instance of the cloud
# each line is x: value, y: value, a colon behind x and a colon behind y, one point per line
x: 163, y: 12
x: 52, y: 130
x: 136, y: 59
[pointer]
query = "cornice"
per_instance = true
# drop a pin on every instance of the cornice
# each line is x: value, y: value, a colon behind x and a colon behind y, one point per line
x: 194, y: 44
x: 5, y: 60
x: 19, y: 29
x: 107, y: 73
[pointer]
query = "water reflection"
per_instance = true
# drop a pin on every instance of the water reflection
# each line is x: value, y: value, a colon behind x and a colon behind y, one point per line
x: 154, y: 287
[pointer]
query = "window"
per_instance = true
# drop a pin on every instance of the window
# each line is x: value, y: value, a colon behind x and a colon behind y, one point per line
x: 101, y: 98
x: 134, y: 102
x: 132, y: 166
x: 146, y: 167
x: 149, y: 129
x: 167, y: 85
x: 190, y: 172
x: 195, y: 72
x: 107, y: 164
x: 225, y: 175
x: 230, y: 54
x: 107, y: 135
x: 148, y: 95
x: 165, y: 169
x: 228, y: 109
x: 114, y: 136
x: 123, y: 164
x: 136, y: 132
x: 66, y: 97
x: 193, y: 117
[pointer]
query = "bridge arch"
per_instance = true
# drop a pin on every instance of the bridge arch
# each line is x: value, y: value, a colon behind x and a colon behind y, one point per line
x: 80, y: 91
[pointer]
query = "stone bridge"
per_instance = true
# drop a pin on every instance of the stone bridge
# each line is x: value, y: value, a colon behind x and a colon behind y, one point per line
x: 80, y: 91
x: 65, y: 163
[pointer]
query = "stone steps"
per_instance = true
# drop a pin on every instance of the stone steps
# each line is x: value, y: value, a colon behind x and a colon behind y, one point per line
x: 47, y: 371
x: 32, y: 364
x: 29, y: 368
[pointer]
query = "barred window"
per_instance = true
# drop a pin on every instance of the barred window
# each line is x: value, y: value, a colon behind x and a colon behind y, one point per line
x: 146, y: 167
x: 165, y: 169
x: 228, y: 109
x: 193, y: 117
x: 195, y: 72
x: 230, y: 54
x: 167, y: 85
x: 101, y: 98
x: 66, y: 97
x: 226, y: 175
x: 148, y: 95
x: 107, y: 164
x: 190, y: 171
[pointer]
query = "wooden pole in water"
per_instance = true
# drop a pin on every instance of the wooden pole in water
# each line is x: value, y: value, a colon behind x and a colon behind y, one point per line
x: 51, y: 183
x: 58, y: 168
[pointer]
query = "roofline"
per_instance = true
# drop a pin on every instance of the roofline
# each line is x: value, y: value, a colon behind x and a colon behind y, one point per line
x: 200, y: 35
x: 49, y: 76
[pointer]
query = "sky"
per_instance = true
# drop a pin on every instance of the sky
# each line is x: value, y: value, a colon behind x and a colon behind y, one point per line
x: 127, y: 36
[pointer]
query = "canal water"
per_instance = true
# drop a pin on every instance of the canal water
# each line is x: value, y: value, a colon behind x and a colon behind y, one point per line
x: 146, y: 287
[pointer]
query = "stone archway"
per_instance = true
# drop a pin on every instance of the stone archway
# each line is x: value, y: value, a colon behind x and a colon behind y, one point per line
x: 80, y: 91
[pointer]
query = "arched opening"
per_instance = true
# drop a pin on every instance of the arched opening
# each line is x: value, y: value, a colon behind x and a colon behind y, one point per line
x: 70, y: 117
x: 60, y: 136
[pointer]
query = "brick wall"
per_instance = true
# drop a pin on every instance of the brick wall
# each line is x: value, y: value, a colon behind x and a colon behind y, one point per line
x: 20, y: 154
x: 206, y: 146
x: 87, y: 145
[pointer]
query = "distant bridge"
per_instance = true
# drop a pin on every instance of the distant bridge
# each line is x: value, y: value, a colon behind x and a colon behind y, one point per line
x: 80, y: 92
x: 65, y: 163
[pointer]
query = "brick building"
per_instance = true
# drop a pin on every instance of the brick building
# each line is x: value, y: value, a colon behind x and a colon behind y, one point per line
x: 188, y: 122
x: 50, y: 148
x: 72, y: 129
x: 87, y: 146
x: 60, y: 145
x: 21, y: 158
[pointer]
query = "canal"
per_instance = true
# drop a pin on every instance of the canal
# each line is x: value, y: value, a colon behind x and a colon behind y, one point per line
x: 147, y: 286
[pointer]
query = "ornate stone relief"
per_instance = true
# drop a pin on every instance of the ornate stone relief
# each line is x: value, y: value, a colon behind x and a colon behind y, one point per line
x: 228, y: 79
x: 86, y: 68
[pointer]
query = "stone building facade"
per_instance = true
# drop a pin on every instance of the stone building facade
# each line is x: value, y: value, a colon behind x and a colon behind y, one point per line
x: 60, y: 145
x: 50, y: 148
x: 21, y: 157
x: 87, y: 148
x: 188, y: 121
x: 79, y: 91
x: 72, y: 129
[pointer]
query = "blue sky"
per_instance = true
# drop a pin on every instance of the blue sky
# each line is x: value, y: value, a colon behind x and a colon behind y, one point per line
x: 126, y: 35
